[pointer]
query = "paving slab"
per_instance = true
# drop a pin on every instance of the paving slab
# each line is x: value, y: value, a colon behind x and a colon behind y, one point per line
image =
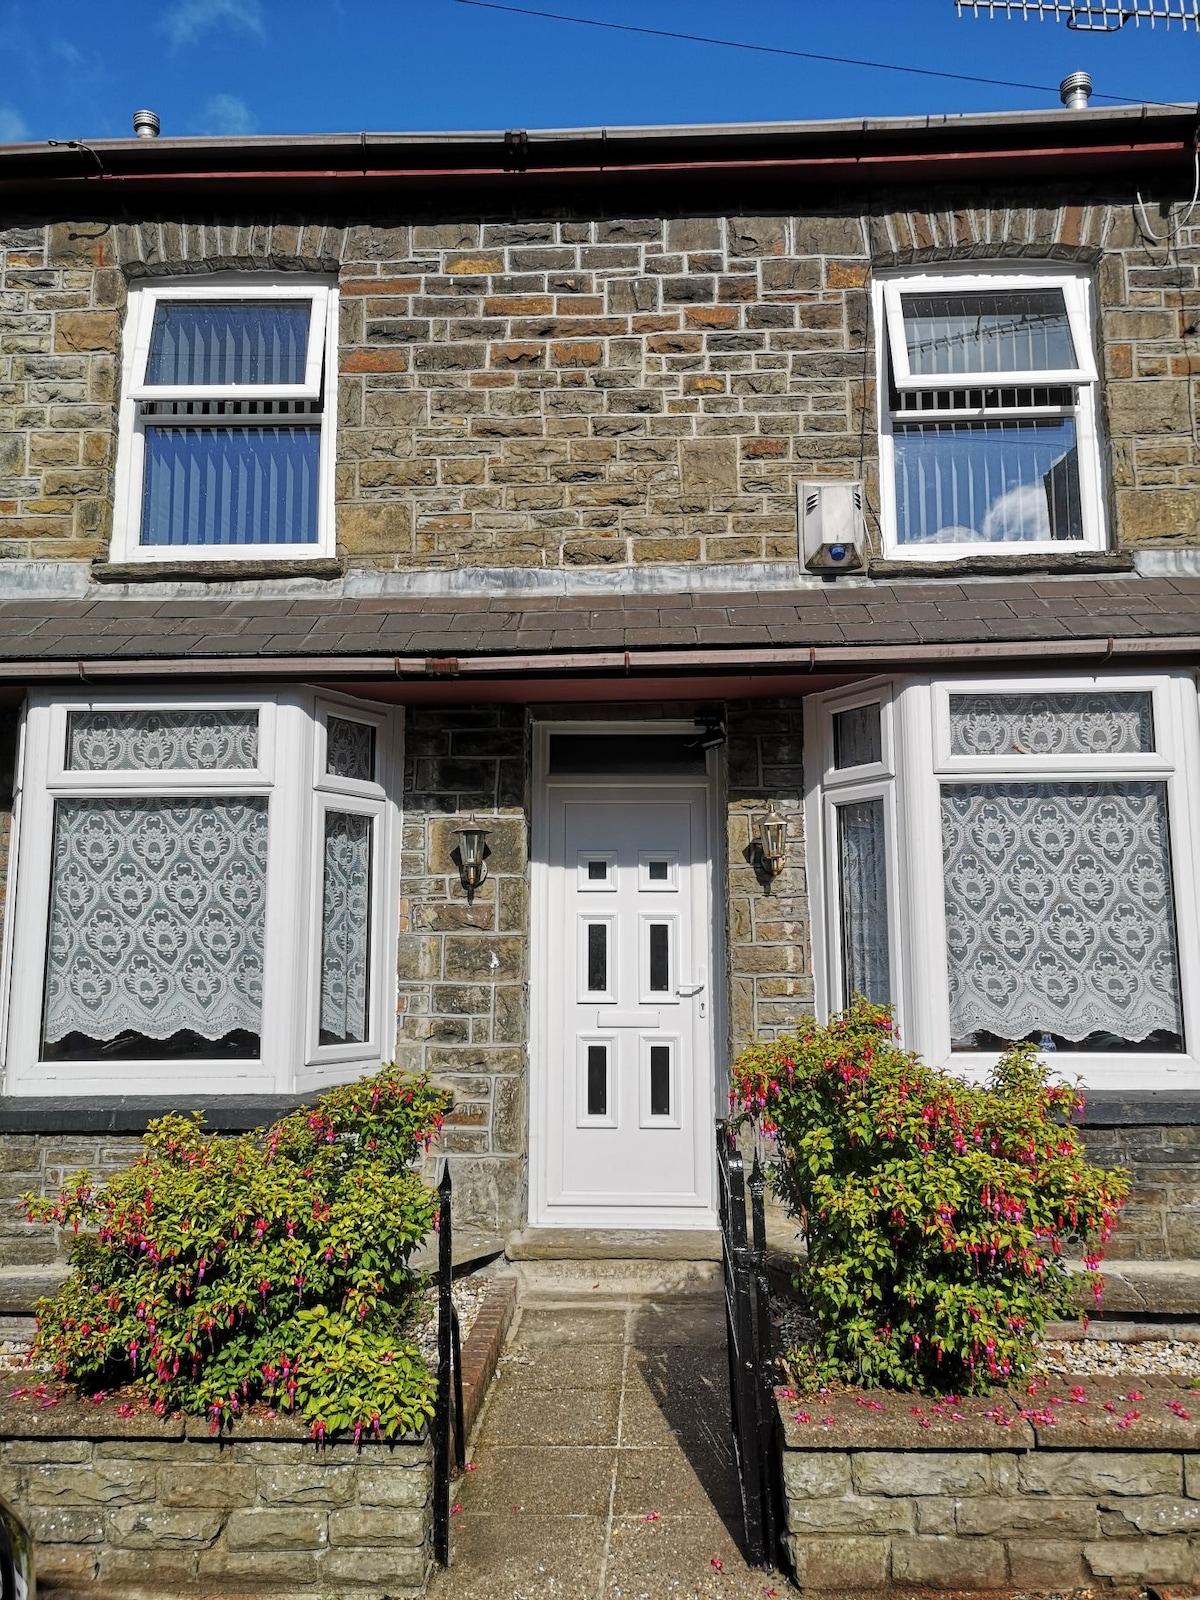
x: 602, y: 1466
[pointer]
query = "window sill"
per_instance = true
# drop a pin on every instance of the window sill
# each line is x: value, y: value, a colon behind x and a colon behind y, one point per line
x: 985, y: 566
x: 129, y: 1114
x: 202, y: 571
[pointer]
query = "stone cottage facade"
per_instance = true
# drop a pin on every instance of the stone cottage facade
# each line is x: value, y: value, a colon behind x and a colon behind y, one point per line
x: 360, y: 496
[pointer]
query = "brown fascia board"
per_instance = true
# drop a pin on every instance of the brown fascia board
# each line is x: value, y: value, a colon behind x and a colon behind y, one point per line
x: 998, y: 147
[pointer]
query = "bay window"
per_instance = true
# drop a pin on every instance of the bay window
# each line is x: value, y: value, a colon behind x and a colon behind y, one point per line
x: 201, y: 894
x: 1017, y: 863
x: 226, y: 420
x: 987, y: 389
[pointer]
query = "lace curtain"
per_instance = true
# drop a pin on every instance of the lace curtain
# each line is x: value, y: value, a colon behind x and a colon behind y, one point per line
x: 1059, y: 913
x: 350, y: 749
x: 862, y: 864
x: 161, y: 741
x: 345, y: 928
x: 1087, y: 724
x: 156, y: 917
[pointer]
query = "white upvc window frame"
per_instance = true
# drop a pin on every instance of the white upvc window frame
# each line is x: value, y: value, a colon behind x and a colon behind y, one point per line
x: 917, y: 908
x: 828, y: 790
x: 320, y: 380
x: 291, y: 740
x: 893, y: 372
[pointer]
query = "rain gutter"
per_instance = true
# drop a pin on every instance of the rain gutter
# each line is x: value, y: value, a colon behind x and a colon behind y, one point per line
x: 610, y: 663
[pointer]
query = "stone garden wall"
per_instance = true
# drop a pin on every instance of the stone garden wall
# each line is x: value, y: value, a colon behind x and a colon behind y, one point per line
x: 138, y: 1508
x: 1069, y: 1496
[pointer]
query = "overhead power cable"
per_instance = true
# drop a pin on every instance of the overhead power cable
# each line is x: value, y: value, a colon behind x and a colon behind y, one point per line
x: 781, y: 50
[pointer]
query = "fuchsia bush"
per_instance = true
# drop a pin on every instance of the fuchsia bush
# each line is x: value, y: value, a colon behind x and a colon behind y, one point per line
x: 937, y: 1214
x: 214, y: 1273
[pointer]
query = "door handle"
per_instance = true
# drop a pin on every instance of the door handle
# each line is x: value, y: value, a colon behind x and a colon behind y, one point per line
x: 686, y: 990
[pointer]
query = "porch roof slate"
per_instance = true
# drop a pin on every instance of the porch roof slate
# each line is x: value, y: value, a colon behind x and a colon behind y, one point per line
x: 914, y: 612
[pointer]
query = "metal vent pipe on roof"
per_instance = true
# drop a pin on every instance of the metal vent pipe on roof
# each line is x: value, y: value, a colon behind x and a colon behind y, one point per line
x: 1076, y: 90
x: 146, y: 124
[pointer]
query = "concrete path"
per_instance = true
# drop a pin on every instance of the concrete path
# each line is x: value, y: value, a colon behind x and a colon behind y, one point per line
x: 603, y: 1468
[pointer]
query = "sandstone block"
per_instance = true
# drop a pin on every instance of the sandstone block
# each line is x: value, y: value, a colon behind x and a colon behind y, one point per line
x: 285, y: 1571
x: 216, y: 1485
x: 839, y: 1563
x: 950, y: 1563
x: 1099, y: 1473
x: 708, y: 466
x: 1161, y: 514
x: 1143, y: 1561
x: 276, y: 1530
x: 62, y: 1525
x: 1162, y: 1514
x: 152, y: 1528
x: 1014, y: 1515
x: 1046, y: 1564
x: 814, y: 1474
x: 370, y: 529
x: 403, y: 1571
x: 852, y: 1513
x: 901, y: 1473
x: 86, y: 331
x: 394, y: 1526
x: 112, y: 1483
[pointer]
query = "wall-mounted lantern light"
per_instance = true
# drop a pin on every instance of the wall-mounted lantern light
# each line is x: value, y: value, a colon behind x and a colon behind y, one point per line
x: 772, y: 849
x: 472, y: 868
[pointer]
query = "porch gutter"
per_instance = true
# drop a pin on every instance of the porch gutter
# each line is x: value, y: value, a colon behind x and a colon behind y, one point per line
x: 623, y: 663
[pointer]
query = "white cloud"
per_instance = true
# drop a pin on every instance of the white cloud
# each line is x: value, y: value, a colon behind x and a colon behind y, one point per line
x: 188, y: 19
x: 1022, y: 513
x: 226, y: 114
x: 12, y: 126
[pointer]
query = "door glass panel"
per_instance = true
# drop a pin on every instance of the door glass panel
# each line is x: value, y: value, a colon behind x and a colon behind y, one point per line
x: 597, y: 871
x: 862, y: 868
x: 857, y: 737
x: 660, y: 1080
x: 597, y: 957
x: 659, y: 871
x: 597, y: 1080
x: 660, y: 957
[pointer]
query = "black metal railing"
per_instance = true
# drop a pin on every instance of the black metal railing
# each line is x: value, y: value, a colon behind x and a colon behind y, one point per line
x: 749, y: 1334
x: 449, y: 1450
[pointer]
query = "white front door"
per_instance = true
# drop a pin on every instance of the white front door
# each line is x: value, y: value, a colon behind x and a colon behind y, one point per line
x: 627, y: 1060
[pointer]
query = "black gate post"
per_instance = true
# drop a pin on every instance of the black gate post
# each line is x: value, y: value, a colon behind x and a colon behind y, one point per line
x: 448, y: 1411
x: 769, y: 1442
x: 740, y: 1331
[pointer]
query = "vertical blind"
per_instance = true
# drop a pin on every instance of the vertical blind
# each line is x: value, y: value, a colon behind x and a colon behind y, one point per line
x: 962, y: 482
x: 231, y: 485
x: 236, y: 342
x: 1017, y: 330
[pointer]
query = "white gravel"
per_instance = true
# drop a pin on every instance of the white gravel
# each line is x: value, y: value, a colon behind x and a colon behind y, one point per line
x: 1157, y: 1351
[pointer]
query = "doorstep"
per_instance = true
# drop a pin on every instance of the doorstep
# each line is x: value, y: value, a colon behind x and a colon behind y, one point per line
x: 614, y: 1263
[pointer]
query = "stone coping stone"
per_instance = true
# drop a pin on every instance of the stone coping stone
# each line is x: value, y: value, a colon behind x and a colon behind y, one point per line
x: 1130, y: 1414
x: 69, y: 1418
x: 876, y: 1419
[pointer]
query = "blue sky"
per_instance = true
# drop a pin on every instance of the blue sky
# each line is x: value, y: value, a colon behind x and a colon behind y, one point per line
x: 79, y: 68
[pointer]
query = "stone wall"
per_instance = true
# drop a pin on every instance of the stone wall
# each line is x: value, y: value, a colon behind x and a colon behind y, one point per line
x: 1006, y: 1509
x: 33, y: 1256
x: 769, y: 947
x: 1161, y: 1221
x: 138, y: 1508
x: 594, y: 391
x: 464, y: 969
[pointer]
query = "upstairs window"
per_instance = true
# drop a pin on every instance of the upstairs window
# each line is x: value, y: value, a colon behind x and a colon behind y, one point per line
x: 225, y: 441
x: 988, y: 401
